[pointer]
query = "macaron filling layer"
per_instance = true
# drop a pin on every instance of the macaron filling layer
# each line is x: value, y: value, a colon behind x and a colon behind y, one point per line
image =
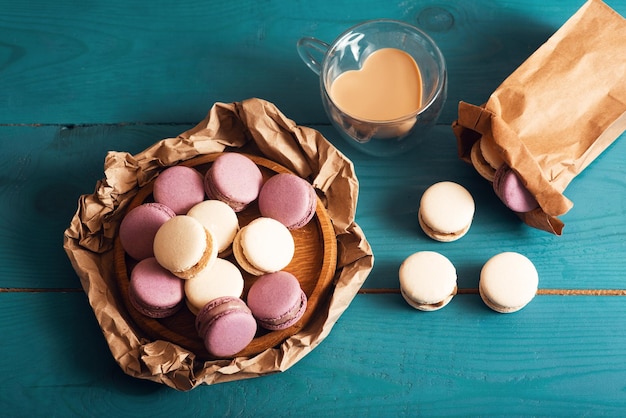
x: 428, y: 306
x: 439, y: 235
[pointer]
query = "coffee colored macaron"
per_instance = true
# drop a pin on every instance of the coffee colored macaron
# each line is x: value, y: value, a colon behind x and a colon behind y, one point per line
x: 289, y: 199
x: 446, y: 211
x: 511, y: 190
x: 179, y: 188
x: 222, y: 278
x: 184, y: 247
x: 220, y: 219
x: 508, y: 282
x: 277, y: 301
x: 226, y: 326
x: 154, y: 291
x: 140, y: 225
x: 427, y: 280
x: 234, y: 179
x: 263, y: 246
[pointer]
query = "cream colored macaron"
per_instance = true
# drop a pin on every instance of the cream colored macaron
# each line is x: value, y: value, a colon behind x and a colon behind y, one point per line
x: 446, y: 211
x: 223, y: 278
x: 184, y: 247
x: 220, y: 219
x: 489, y: 151
x: 263, y: 246
x: 480, y: 164
x: 427, y: 280
x: 508, y: 282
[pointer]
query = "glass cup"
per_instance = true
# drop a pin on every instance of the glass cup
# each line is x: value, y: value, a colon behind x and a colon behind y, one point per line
x: 348, y: 52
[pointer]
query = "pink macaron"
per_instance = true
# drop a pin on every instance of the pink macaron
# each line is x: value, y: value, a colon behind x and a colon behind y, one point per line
x: 140, y: 225
x: 234, y: 179
x: 289, y: 199
x: 277, y: 301
x: 512, y: 192
x: 226, y: 326
x: 154, y: 291
x: 180, y: 188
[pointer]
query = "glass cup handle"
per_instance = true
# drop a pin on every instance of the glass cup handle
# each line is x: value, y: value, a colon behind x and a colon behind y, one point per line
x: 312, y: 51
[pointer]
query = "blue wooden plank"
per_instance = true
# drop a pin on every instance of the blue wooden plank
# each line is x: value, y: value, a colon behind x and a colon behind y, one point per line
x: 50, y: 167
x: 43, y: 171
x: 120, y: 61
x: 560, y: 356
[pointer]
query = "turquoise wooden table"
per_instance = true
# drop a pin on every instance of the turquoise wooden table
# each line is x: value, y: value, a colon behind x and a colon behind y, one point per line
x: 78, y: 79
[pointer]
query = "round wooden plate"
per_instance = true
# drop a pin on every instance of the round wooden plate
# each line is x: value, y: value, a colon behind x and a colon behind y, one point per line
x: 314, y: 265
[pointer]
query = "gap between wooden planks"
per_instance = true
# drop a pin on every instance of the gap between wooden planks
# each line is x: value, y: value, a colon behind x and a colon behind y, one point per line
x: 468, y: 291
x: 565, y: 292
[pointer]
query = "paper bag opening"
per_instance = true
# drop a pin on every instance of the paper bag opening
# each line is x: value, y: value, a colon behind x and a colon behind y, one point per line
x: 557, y: 112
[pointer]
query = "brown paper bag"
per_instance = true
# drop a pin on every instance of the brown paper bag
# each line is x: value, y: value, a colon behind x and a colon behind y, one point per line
x: 558, y: 111
x: 254, y: 124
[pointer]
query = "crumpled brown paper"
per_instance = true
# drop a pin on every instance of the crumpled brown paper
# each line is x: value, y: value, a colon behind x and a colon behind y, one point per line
x: 558, y: 111
x: 257, y: 127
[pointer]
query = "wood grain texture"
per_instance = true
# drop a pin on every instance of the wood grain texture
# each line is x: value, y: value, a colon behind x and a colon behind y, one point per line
x: 463, y: 360
x: 78, y: 79
x: 313, y: 264
x: 119, y: 61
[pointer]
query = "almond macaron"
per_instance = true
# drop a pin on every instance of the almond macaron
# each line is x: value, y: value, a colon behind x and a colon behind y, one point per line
x: 263, y: 246
x: 428, y: 280
x: 222, y: 278
x: 480, y: 163
x: 446, y: 211
x: 508, y: 282
x: 220, y: 219
x: 184, y: 246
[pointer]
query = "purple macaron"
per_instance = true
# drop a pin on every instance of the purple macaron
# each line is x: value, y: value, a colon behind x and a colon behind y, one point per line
x: 277, y: 301
x: 154, y: 291
x: 234, y: 179
x: 179, y: 188
x: 140, y: 225
x: 512, y: 192
x: 226, y: 326
x: 289, y: 199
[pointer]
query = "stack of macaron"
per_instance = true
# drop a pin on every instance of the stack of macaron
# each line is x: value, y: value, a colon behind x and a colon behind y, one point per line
x: 183, y: 240
x: 507, y: 184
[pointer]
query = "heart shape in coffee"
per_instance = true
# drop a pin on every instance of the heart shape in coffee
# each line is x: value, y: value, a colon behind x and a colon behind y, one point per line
x: 387, y: 87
